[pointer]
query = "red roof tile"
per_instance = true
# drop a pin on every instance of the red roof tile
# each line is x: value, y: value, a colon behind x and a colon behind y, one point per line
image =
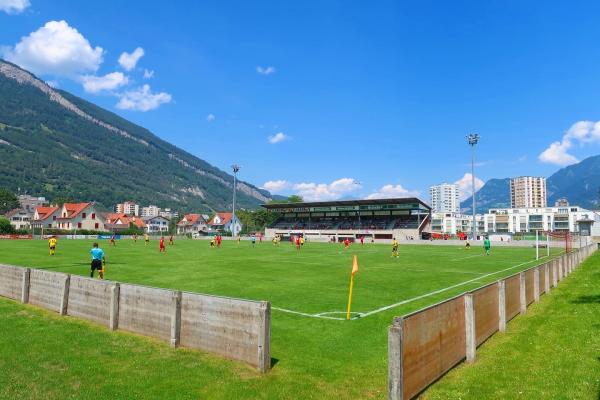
x: 45, y: 212
x: 189, y: 219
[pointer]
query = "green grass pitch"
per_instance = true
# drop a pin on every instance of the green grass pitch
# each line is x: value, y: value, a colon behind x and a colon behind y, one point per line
x: 316, y: 353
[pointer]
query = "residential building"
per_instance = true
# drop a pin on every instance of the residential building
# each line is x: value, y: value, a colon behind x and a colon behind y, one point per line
x: 225, y: 222
x: 30, y: 203
x: 150, y: 211
x: 455, y: 223
x: 45, y: 217
x: 75, y: 216
x: 528, y: 192
x: 128, y: 208
x: 156, y: 224
x: 445, y: 198
x: 192, y: 223
x: 119, y: 222
x: 20, y: 218
x: 561, y: 203
x: 529, y: 220
x: 167, y: 213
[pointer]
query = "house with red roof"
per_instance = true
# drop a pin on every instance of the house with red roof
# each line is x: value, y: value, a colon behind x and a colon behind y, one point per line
x: 45, y: 216
x: 193, y: 224
x: 224, y: 222
x: 75, y: 216
x: 118, y: 222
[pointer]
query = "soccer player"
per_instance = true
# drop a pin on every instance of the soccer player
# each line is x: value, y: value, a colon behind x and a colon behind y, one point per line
x: 297, y: 242
x: 253, y: 240
x: 346, y: 243
x: 487, y: 245
x: 112, y: 240
x: 98, y: 261
x: 52, y: 245
x: 135, y: 237
x: 212, y: 243
x: 394, y: 247
x: 146, y: 239
x: 301, y: 240
x: 171, y: 243
x: 362, y: 240
x: 239, y: 239
x: 467, y: 245
x: 219, y: 241
x: 161, y: 245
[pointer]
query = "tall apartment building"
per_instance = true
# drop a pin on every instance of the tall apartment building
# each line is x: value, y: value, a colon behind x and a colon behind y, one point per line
x: 150, y: 211
x: 528, y: 192
x: 129, y: 208
x: 445, y: 198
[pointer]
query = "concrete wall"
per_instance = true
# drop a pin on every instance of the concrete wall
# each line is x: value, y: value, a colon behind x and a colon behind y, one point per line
x: 424, y: 345
x: 90, y: 299
x: 236, y: 329
x: 11, y: 279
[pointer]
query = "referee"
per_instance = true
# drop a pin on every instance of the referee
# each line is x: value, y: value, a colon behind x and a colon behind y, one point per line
x: 98, y: 261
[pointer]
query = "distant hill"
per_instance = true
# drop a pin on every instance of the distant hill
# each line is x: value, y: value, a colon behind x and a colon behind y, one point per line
x: 53, y: 143
x: 578, y: 183
x: 494, y: 194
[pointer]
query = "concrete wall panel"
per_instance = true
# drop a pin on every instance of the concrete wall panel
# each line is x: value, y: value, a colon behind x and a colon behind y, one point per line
x: 11, y: 280
x: 485, y: 304
x: 145, y: 310
x: 89, y: 299
x: 46, y: 289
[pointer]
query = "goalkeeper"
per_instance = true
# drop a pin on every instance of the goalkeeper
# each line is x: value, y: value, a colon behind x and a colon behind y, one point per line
x: 98, y: 261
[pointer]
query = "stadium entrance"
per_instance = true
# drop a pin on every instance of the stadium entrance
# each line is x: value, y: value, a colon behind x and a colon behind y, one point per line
x: 380, y: 220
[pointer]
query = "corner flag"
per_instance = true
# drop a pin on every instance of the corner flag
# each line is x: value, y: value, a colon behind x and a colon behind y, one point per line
x: 354, y: 271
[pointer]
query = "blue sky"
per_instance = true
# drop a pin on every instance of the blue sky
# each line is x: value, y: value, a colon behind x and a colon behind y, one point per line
x: 368, y: 98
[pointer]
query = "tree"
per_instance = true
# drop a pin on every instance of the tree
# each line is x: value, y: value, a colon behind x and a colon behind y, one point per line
x: 60, y: 200
x: 295, y: 199
x: 8, y: 201
x: 5, y: 226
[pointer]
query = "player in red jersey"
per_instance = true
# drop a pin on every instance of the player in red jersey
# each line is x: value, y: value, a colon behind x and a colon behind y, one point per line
x: 112, y: 240
x: 346, y: 243
x: 362, y: 240
x: 297, y: 242
x: 161, y: 245
x: 219, y: 241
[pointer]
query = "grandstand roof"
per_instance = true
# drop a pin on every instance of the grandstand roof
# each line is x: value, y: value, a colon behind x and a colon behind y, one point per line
x: 341, y: 203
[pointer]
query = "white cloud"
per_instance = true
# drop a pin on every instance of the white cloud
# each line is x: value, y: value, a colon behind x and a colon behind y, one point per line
x: 392, y: 191
x: 210, y: 117
x: 276, y: 186
x: 14, y: 6
x: 95, y: 84
x: 465, y: 185
x: 129, y: 60
x: 142, y: 99
x: 265, y: 70
x: 278, y: 138
x: 53, y: 83
x: 56, y: 49
x: 148, y: 74
x: 584, y: 132
x: 324, y: 191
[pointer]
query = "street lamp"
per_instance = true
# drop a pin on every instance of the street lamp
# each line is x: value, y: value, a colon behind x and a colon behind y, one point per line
x: 473, y: 139
x: 235, y: 169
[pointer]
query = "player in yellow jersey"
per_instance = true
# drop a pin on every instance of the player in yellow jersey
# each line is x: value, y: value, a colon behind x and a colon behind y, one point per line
x: 394, y: 247
x: 52, y: 245
x: 146, y: 239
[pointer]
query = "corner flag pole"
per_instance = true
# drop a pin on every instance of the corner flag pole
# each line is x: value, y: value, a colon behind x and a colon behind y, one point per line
x: 354, y: 271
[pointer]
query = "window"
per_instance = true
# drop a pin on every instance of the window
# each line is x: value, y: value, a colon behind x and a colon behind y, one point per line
x: 83, y: 215
x: 95, y: 225
x: 54, y: 218
x: 79, y: 225
x: 94, y: 216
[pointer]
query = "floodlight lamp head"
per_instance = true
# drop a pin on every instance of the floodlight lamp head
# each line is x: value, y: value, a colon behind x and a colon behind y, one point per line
x: 235, y: 168
x: 473, y: 138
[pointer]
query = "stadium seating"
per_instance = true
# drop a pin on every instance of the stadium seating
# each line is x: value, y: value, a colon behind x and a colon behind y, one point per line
x: 348, y: 223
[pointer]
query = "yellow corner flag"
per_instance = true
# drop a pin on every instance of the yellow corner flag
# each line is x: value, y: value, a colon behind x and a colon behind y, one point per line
x: 354, y: 271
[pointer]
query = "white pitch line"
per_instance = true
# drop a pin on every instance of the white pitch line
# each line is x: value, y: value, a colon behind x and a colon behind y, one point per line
x: 440, y: 290
x: 305, y: 314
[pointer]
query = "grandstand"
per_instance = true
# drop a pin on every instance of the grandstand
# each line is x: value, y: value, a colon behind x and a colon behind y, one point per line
x: 377, y: 219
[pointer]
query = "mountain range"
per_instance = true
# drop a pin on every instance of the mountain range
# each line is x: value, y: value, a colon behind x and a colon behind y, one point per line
x: 578, y: 183
x: 55, y: 144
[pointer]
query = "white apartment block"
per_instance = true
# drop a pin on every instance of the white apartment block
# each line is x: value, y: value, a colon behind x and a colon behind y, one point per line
x: 528, y: 192
x: 453, y: 223
x: 521, y: 220
x: 129, y: 208
x: 150, y: 211
x: 445, y: 198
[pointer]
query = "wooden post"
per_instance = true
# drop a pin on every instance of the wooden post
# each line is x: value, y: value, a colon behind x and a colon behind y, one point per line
x: 502, y: 306
x: 175, y: 318
x: 114, y: 306
x: 264, y: 337
x: 522, y: 293
x: 25, y: 286
x: 65, y: 296
x: 395, y: 372
x: 536, y: 284
x: 469, y: 328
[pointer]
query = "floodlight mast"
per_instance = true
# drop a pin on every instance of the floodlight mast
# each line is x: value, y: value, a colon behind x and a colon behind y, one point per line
x: 235, y: 168
x: 473, y: 139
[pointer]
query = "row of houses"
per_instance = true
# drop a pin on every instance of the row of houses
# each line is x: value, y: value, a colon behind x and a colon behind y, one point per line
x: 86, y: 216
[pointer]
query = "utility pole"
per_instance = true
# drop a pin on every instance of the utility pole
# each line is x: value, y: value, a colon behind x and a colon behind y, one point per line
x: 473, y: 139
x: 235, y: 169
